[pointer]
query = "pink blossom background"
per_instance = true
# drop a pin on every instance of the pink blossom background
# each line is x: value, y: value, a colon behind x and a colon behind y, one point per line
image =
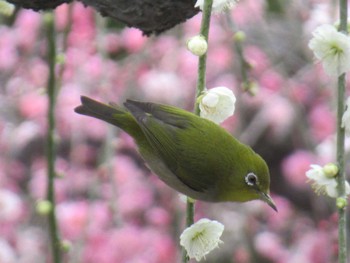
x: 110, y: 207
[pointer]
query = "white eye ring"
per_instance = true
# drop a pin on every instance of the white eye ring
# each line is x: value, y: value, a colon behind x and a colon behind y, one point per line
x: 251, y: 179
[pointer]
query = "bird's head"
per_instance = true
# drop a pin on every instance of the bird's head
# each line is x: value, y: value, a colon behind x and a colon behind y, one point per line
x: 250, y: 182
x: 258, y: 185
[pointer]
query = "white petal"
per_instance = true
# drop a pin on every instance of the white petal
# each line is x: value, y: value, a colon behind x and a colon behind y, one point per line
x: 315, y: 173
x: 199, y: 4
x: 347, y: 188
x: 331, y: 190
x: 211, y: 99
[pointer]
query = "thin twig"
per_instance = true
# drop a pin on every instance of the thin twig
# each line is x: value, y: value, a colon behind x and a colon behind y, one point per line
x: 342, y: 239
x: 51, y: 152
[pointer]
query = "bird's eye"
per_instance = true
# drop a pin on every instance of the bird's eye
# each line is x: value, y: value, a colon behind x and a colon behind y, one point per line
x: 251, y: 179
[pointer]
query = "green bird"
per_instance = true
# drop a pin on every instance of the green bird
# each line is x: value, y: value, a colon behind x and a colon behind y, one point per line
x: 190, y: 154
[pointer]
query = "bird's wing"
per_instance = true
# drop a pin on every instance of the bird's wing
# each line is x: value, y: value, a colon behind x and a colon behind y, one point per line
x: 162, y: 126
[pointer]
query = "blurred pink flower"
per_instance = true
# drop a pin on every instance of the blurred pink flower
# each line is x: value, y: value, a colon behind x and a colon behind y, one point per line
x: 271, y: 80
x: 83, y: 30
x: 160, y: 86
x: 300, y: 92
x: 133, y: 40
x: 27, y: 27
x: 93, y: 128
x: 33, y: 105
x: 100, y: 215
x: 295, y: 166
x: 73, y: 218
x: 77, y: 180
x: 80, y: 218
x: 93, y: 67
x: 61, y: 16
x: 187, y: 65
x: 67, y: 99
x: 164, y: 45
x: 130, y: 244
x: 192, y: 26
x: 281, y: 221
x: 134, y: 196
x: 322, y: 122
x: 219, y: 59
x: 8, y: 53
x: 241, y: 255
x: 125, y: 169
x: 217, y: 34
x: 74, y: 58
x: 257, y: 58
x: 135, y: 193
x: 280, y: 114
x: 243, y: 17
x: 312, y: 247
x: 158, y: 216
x: 269, y: 245
x: 37, y: 73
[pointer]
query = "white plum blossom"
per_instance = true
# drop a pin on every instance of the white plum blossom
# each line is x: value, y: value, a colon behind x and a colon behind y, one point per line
x: 332, y: 48
x: 197, y: 45
x: 324, y: 184
x: 219, y: 6
x: 201, y: 238
x: 217, y: 104
x: 345, y: 121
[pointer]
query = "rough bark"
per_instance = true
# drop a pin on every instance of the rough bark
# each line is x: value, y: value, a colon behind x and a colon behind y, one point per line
x: 150, y: 16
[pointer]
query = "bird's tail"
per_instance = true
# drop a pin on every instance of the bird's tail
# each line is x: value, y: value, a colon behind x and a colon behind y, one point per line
x: 112, y: 114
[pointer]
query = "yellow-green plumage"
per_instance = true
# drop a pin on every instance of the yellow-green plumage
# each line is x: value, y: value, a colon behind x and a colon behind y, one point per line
x: 190, y: 154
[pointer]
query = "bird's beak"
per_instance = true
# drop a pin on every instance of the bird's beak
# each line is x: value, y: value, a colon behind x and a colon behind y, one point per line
x: 267, y: 199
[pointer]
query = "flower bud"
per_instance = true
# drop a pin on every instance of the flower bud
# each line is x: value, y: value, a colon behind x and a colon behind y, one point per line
x: 251, y: 87
x: 341, y: 202
x: 239, y: 36
x: 330, y: 170
x: 197, y: 45
x: 43, y: 207
x: 66, y: 245
x: 60, y: 58
x: 6, y: 8
x: 48, y: 17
